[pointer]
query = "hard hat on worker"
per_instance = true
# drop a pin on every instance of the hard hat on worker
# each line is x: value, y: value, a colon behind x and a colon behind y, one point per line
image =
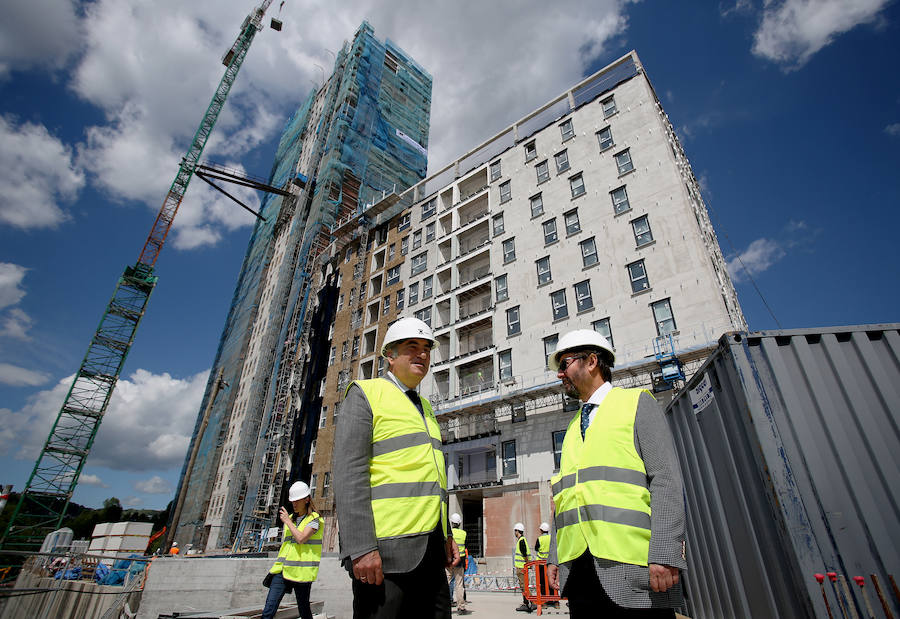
x: 519, y: 527
x: 456, y: 519
x: 407, y: 329
x: 545, y: 527
x: 299, y: 490
x: 577, y: 340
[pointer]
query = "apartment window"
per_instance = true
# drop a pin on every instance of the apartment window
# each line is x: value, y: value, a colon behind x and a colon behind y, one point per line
x: 543, y: 171
x: 495, y: 171
x: 638, y: 275
x: 344, y: 350
x: 356, y: 319
x: 573, y: 226
x: 602, y: 327
x: 623, y: 161
x: 508, y: 451
x: 558, y: 301
x: 413, y: 294
x: 550, y: 235
x: 662, y: 314
x: 562, y: 161
x: 550, y: 343
x: 392, y: 251
x: 428, y: 208
x: 620, y: 200
x: 588, y: 252
x: 509, y: 250
x: 312, y: 451
x: 497, y: 222
x: 500, y: 289
x: 386, y: 305
x: 348, y: 255
x: 312, y: 486
x: 642, y: 232
x: 356, y: 346
x: 557, y: 438
x: 543, y: 271
x: 583, y: 299
x: 518, y: 413
x: 404, y: 245
x: 424, y: 315
x: 323, y: 417
x: 567, y: 130
x: 609, y: 107
x: 403, y: 223
x: 417, y: 240
x: 429, y: 232
x: 576, y: 184
x: 505, y: 192
x: 427, y: 285
x: 332, y: 355
x: 340, y: 303
x: 400, y: 299
x: 530, y: 151
x: 326, y: 484
x: 604, y: 136
x: 393, y: 275
x: 419, y: 263
x: 513, y: 326
x: 537, y: 205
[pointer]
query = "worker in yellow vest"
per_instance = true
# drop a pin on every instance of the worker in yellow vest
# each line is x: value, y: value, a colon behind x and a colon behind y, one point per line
x: 458, y: 571
x: 521, y: 554
x: 298, y: 560
x: 542, y: 551
x: 391, y: 486
x: 618, y: 538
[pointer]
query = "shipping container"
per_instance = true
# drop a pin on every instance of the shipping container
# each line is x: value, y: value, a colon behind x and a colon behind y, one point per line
x: 790, y: 450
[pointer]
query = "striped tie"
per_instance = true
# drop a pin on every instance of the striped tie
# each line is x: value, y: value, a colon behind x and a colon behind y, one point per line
x: 586, y: 417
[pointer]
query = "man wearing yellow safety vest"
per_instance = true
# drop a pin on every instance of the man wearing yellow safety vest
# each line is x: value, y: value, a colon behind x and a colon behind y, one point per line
x: 458, y: 571
x: 542, y: 550
x: 521, y: 555
x: 618, y: 537
x: 391, y: 486
x: 298, y: 560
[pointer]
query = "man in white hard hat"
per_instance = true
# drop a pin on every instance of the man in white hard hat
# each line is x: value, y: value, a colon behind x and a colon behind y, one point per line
x: 618, y: 460
x: 458, y: 571
x: 521, y: 555
x: 542, y: 551
x: 391, y: 486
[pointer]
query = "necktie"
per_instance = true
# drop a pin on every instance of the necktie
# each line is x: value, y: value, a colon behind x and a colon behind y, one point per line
x: 586, y: 417
x: 412, y: 395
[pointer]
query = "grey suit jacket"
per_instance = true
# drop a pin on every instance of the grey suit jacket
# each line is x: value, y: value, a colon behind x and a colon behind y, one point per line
x: 629, y: 585
x: 353, y: 495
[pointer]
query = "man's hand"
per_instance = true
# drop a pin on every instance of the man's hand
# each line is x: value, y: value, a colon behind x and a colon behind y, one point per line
x: 452, y: 552
x: 553, y: 576
x: 662, y: 577
x: 367, y: 568
x: 284, y: 515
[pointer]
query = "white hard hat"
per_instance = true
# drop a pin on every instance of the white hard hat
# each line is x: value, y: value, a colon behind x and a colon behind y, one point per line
x: 298, y: 491
x: 580, y: 338
x: 545, y: 527
x: 519, y: 527
x: 174, y: 543
x: 456, y: 519
x: 406, y: 329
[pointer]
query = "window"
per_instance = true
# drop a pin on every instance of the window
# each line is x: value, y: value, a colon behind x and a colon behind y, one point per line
x: 550, y: 235
x: 642, y: 232
x: 537, y: 205
x: 348, y: 255
x: 662, y: 314
x: 344, y: 350
x: 312, y: 451
x: 602, y: 327
x: 340, y: 303
x: 512, y: 321
x: 497, y: 222
x: 424, y: 315
x: 518, y: 413
x: 623, y: 162
x: 508, y: 450
x: 609, y: 107
x: 404, y: 245
x: 505, y: 192
x: 576, y: 184
x: 429, y: 232
x: 326, y: 484
x: 428, y: 208
x: 583, y: 299
x: 573, y: 226
x: 638, y: 275
x: 558, y: 437
x: 400, y: 299
x: 427, y: 285
x: 543, y: 171
x: 403, y: 223
x: 530, y: 151
x: 392, y: 251
x: 589, y: 252
x: 393, y: 275
x: 419, y: 263
x: 558, y: 301
x: 495, y: 171
x: 550, y: 343
x: 500, y: 290
x: 567, y: 130
x: 543, y: 271
x: 604, y: 136
x: 355, y: 352
x: 417, y: 239
x: 620, y: 200
x: 312, y: 486
x: 562, y: 161
x: 332, y: 355
x: 509, y: 250
x: 386, y: 305
x: 413, y: 294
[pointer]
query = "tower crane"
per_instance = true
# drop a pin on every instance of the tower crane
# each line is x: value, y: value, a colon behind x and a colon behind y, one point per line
x: 42, y: 505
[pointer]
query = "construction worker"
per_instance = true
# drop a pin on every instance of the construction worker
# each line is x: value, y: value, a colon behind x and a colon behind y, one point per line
x: 391, y: 486
x: 298, y: 560
x: 521, y: 554
x: 174, y: 549
x: 542, y: 551
x: 618, y: 461
x: 458, y: 571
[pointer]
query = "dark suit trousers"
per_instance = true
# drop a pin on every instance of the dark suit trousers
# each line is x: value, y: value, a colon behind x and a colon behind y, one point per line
x: 422, y: 592
x: 587, y: 598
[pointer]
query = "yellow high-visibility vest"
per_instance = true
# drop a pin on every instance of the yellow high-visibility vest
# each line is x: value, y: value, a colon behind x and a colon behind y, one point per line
x: 543, y: 549
x: 459, y: 535
x: 300, y: 562
x: 601, y: 493
x: 518, y: 557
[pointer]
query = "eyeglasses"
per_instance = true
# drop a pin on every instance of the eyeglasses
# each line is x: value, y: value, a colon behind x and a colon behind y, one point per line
x: 565, y: 362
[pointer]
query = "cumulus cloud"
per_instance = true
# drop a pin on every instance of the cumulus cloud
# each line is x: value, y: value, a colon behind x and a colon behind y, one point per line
x: 792, y: 31
x: 89, y: 479
x: 154, y: 485
x: 759, y: 256
x: 16, y: 376
x: 37, y: 33
x: 893, y: 130
x: 11, y: 276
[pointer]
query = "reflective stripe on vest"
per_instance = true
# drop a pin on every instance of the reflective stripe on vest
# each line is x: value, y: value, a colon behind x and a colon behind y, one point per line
x: 601, y: 494
x: 459, y: 535
x: 519, y: 558
x: 543, y: 549
x: 406, y: 473
x: 300, y: 562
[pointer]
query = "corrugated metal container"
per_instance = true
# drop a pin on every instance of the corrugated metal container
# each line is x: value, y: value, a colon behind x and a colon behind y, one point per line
x: 790, y: 449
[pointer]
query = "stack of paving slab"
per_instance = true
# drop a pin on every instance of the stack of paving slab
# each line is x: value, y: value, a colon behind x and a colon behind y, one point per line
x: 119, y: 539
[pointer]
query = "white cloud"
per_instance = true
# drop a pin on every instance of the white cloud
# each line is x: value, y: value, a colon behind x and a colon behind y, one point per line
x: 36, y: 173
x: 37, y: 33
x: 792, y: 31
x: 15, y: 323
x: 759, y: 256
x: 15, y: 376
x: 92, y: 480
x: 893, y: 129
x: 154, y: 485
x: 132, y: 502
x: 740, y: 6
x: 11, y: 276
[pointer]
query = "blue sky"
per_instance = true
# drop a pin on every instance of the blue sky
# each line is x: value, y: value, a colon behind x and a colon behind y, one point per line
x: 789, y: 111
